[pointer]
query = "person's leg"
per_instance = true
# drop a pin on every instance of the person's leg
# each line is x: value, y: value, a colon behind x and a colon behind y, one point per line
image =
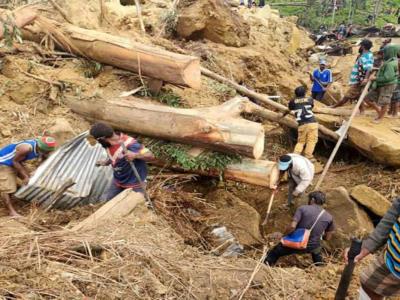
x: 317, y: 256
x: 112, y: 191
x: 261, y: 3
x: 311, y: 141
x: 291, y: 187
x: 381, y: 113
x: 301, y: 139
x: 278, y: 251
x: 371, y: 294
x: 7, y: 202
x: 8, y: 186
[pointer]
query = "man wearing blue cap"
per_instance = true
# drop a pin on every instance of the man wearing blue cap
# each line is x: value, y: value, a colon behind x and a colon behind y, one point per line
x: 300, y: 172
x: 321, y: 78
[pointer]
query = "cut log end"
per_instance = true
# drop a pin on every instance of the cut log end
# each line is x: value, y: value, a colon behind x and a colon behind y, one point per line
x: 192, y: 75
x: 258, y: 149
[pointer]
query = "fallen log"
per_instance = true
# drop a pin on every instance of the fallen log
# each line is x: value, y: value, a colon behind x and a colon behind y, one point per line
x: 218, y: 128
x: 342, y: 112
x: 118, y: 207
x: 18, y: 17
x: 120, y: 51
x: 251, y: 171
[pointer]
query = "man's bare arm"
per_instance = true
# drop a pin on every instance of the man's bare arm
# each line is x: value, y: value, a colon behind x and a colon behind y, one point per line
x: 21, y: 151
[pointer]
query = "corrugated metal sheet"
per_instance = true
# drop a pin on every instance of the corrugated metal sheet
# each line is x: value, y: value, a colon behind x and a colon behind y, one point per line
x: 76, y: 160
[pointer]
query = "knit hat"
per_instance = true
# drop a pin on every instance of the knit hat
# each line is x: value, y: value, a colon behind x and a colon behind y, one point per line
x: 284, y: 162
x: 46, y: 143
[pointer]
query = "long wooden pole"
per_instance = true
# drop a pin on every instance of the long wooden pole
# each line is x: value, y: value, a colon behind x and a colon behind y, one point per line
x: 271, y: 200
x: 343, y: 135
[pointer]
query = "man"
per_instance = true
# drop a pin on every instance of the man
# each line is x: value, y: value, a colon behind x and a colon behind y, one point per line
x: 12, y: 158
x: 321, y: 78
x: 341, y: 32
x: 359, y: 74
x: 382, y: 277
x: 124, y: 177
x: 384, y: 84
x: 307, y: 132
x: 305, y: 217
x: 395, y: 102
x: 300, y: 174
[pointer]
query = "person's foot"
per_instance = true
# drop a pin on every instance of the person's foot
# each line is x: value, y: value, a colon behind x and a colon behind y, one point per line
x: 14, y: 214
x: 377, y: 121
x: 393, y: 116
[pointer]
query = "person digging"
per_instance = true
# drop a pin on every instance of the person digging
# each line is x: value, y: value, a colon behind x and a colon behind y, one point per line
x: 384, y: 83
x: 120, y: 159
x: 300, y: 173
x: 12, y: 158
x: 307, y: 132
x: 381, y: 278
x: 311, y: 217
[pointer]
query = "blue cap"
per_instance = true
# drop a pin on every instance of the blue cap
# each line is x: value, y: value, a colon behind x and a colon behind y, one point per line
x: 284, y: 162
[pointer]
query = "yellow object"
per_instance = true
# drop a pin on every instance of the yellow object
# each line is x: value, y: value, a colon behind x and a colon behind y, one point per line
x: 307, y: 139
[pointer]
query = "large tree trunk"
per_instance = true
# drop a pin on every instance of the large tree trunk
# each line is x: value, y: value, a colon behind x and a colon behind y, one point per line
x: 121, y: 52
x: 219, y: 128
x: 19, y: 18
x: 251, y: 171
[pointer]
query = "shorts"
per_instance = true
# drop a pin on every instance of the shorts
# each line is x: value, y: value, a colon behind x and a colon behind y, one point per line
x: 396, y: 94
x: 354, y: 92
x: 8, y: 180
x: 318, y: 95
x: 379, y: 279
x: 114, y: 190
x: 382, y: 95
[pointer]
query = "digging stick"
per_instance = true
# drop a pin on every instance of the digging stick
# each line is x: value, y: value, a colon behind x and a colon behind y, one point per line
x: 343, y: 135
x: 142, y: 185
x: 345, y: 279
x: 271, y: 200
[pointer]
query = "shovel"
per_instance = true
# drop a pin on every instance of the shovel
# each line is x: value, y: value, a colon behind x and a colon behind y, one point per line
x: 271, y: 200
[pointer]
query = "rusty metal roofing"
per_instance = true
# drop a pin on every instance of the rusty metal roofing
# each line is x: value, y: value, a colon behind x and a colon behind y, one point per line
x: 74, y: 160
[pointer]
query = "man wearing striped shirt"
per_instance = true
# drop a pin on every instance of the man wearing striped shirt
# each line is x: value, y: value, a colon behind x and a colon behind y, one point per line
x: 382, y: 277
x: 359, y: 74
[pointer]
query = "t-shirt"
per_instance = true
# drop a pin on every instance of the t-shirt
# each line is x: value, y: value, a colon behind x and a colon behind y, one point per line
x: 123, y: 173
x: 305, y: 217
x: 323, y: 77
x: 364, y: 63
x: 302, y: 108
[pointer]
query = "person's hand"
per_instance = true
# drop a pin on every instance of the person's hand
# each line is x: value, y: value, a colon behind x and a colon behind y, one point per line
x: 273, y: 187
x: 25, y: 180
x: 102, y: 163
x: 363, y: 253
x: 296, y: 193
x: 372, y: 77
x: 129, y: 155
x: 364, y: 82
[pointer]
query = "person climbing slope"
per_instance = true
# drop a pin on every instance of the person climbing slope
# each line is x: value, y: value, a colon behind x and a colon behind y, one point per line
x: 384, y: 83
x: 307, y: 132
x: 124, y: 177
x: 12, y: 158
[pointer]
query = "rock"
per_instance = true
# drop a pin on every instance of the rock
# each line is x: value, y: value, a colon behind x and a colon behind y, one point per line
x: 349, y: 219
x: 6, y: 133
x: 212, y: 20
x: 371, y: 199
x: 238, y: 217
x: 61, y: 130
x: 333, y: 94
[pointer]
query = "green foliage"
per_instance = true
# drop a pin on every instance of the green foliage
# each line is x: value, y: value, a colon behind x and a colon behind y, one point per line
x: 169, y: 98
x: 10, y: 36
x: 355, y: 11
x: 178, y: 154
x: 170, y: 19
x: 91, y: 68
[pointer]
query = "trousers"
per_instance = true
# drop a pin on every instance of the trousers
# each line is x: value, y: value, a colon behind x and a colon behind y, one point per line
x: 279, y: 250
x: 307, y: 139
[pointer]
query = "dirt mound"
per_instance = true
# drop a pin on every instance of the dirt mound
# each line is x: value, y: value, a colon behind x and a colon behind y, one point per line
x: 213, y: 20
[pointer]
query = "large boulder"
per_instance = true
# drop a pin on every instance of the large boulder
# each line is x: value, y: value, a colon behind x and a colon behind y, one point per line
x: 213, y: 20
x: 378, y: 142
x: 242, y: 220
x: 371, y: 199
x: 350, y: 220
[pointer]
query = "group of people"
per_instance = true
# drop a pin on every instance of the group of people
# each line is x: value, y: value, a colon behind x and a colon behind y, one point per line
x: 384, y: 92
x: 251, y: 3
x: 122, y: 150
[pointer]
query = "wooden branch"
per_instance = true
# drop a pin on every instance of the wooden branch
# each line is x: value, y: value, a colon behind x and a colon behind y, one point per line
x: 342, y: 112
x: 61, y: 11
x: 139, y: 13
